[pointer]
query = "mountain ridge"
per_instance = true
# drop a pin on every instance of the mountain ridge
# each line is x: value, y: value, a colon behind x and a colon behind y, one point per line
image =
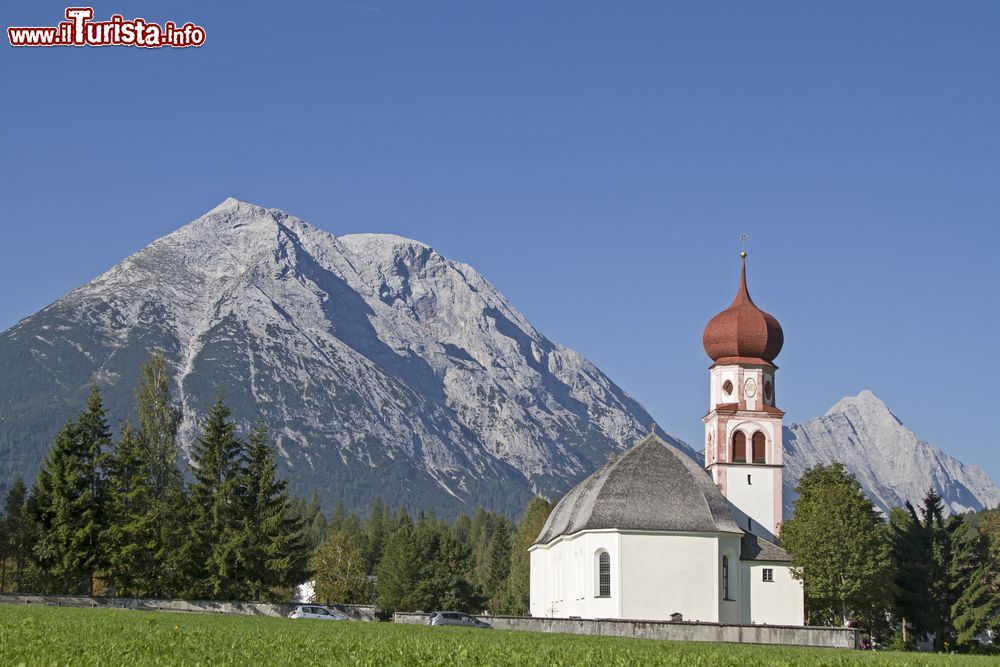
x: 383, y: 368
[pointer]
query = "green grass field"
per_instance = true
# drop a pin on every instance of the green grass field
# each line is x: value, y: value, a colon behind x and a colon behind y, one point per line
x: 63, y: 636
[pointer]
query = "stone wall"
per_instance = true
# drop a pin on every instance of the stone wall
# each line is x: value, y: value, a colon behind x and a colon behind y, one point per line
x: 785, y: 635
x: 356, y: 612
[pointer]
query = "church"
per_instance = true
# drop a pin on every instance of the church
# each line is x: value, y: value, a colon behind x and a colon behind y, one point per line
x: 653, y: 535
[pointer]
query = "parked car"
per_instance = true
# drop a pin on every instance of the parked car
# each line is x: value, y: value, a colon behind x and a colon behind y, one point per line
x: 316, y: 611
x: 455, y: 618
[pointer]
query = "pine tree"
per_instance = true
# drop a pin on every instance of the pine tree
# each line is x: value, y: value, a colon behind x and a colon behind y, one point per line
x: 377, y: 530
x: 444, y: 566
x: 157, y: 435
x: 975, y: 577
x: 927, y: 585
x: 398, y: 573
x: 497, y: 565
x: 18, y: 536
x: 277, y: 547
x: 515, y: 597
x: 839, y: 549
x: 215, y: 548
x: 131, y: 537
x: 69, y: 502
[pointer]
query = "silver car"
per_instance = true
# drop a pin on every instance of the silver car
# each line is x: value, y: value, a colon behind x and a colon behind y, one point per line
x: 455, y: 618
x: 316, y: 611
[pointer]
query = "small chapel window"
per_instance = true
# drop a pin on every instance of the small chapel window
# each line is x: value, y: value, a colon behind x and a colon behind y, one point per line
x: 604, y: 575
x: 739, y: 447
x: 768, y: 574
x: 725, y: 578
x: 759, y: 441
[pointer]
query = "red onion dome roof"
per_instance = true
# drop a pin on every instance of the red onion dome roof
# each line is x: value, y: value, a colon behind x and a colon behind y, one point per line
x: 743, y: 333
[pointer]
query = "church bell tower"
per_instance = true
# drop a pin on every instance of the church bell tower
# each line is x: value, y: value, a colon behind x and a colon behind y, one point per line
x: 743, y: 425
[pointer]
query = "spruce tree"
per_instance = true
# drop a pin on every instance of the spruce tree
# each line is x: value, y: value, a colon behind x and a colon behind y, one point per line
x: 928, y: 582
x: 377, y: 530
x: 17, y: 537
x: 69, y: 502
x: 215, y: 548
x: 398, y: 573
x: 277, y: 546
x: 497, y: 565
x: 515, y: 597
x: 131, y: 539
x: 158, y: 423
x: 976, y: 578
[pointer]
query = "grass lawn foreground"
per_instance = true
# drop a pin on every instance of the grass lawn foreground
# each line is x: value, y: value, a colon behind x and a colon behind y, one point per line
x: 39, y: 635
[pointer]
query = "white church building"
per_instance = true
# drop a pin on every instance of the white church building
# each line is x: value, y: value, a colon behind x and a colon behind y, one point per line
x: 652, y: 535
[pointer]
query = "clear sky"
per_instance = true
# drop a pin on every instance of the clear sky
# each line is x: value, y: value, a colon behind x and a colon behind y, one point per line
x: 596, y: 160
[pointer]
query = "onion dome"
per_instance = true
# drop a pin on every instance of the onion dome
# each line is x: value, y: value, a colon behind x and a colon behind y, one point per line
x: 652, y: 487
x: 743, y: 333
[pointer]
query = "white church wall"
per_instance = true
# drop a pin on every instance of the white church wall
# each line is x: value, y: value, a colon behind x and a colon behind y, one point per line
x: 776, y: 602
x: 666, y: 573
x: 564, y: 577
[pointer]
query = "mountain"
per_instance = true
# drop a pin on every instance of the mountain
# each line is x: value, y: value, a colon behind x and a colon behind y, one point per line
x: 892, y: 464
x: 381, y: 367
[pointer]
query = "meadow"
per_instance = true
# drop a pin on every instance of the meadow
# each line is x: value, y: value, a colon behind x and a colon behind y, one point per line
x: 65, y: 636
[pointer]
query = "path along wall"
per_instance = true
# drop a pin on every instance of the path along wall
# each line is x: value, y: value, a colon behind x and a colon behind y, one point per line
x: 357, y: 612
x: 784, y: 635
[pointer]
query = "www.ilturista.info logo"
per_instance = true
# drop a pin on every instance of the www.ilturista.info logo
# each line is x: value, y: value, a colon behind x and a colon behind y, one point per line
x: 81, y: 30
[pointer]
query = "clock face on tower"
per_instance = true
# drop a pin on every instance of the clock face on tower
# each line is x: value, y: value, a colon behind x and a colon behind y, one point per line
x: 750, y: 388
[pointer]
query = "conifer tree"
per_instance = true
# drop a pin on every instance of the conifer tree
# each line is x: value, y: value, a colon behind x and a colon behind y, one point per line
x: 928, y: 580
x: 18, y: 531
x: 444, y: 569
x: 377, y: 530
x: 497, y: 565
x: 515, y: 597
x: 215, y: 548
x: 69, y: 502
x: 277, y: 547
x: 131, y: 537
x: 157, y: 434
x: 976, y: 579
x: 398, y: 572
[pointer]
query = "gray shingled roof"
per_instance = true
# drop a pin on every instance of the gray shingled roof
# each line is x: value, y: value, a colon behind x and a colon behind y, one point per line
x: 653, y: 486
x: 757, y: 548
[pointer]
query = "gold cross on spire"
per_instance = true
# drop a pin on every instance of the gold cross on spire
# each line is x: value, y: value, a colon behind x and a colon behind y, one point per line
x: 744, y: 237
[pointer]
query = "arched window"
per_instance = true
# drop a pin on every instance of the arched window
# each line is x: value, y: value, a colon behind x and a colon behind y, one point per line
x: 739, y: 447
x: 604, y: 575
x: 725, y: 578
x: 758, y: 447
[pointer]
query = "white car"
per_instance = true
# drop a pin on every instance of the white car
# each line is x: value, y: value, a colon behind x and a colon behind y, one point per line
x: 316, y: 611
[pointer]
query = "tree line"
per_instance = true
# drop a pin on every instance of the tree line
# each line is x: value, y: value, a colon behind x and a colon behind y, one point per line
x: 116, y: 517
x: 915, y: 574
x: 473, y: 563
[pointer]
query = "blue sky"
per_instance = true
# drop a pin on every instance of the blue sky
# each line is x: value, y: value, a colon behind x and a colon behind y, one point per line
x: 597, y: 161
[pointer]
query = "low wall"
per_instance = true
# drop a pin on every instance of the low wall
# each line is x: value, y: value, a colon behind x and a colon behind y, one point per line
x: 785, y: 635
x: 356, y: 612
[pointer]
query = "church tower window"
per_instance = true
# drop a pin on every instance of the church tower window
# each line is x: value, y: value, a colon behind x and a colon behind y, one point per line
x: 739, y: 447
x: 759, y: 442
x: 604, y: 575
